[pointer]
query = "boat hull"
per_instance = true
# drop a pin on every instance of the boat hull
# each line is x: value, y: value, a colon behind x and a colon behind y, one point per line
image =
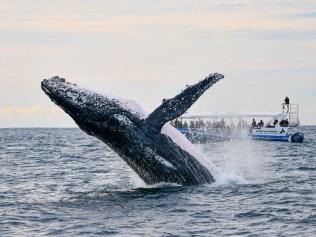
x: 271, y: 138
x: 211, y: 135
x: 295, y: 138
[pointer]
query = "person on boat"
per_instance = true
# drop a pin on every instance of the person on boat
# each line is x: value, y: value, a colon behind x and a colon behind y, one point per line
x: 172, y: 123
x: 185, y: 125
x: 275, y: 122
x: 197, y: 124
x: 261, y: 124
x: 192, y: 124
x: 254, y: 123
x: 284, y: 123
x: 287, y: 103
x: 201, y: 123
x: 177, y: 123
x: 222, y: 123
x: 180, y: 124
x: 208, y: 125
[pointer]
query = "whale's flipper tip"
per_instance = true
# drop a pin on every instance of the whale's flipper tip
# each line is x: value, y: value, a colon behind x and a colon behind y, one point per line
x: 218, y: 75
x: 175, y: 107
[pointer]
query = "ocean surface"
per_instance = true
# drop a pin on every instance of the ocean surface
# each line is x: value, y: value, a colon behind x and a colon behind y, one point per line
x: 62, y: 182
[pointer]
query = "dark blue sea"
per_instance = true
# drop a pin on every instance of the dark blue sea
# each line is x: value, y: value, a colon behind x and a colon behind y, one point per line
x: 62, y: 182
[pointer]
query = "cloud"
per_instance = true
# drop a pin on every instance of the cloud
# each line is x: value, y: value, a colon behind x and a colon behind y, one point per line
x: 11, y: 110
x: 305, y: 15
x: 34, y: 116
x: 124, y: 24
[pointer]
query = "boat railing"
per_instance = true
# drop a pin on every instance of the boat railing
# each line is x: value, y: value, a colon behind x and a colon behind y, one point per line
x: 293, y: 111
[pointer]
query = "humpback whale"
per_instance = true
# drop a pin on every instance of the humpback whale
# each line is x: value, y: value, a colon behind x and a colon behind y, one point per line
x: 155, y: 150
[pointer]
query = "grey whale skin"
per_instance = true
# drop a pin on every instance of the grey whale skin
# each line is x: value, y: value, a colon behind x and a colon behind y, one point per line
x: 138, y: 139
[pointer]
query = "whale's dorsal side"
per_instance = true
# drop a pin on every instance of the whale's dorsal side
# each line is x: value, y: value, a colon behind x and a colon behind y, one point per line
x: 173, y: 108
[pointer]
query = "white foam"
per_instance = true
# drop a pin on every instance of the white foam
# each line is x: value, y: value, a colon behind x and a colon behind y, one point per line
x: 162, y: 185
x: 228, y: 179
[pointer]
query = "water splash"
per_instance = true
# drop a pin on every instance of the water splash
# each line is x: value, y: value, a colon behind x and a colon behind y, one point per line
x: 241, y: 161
x: 230, y: 179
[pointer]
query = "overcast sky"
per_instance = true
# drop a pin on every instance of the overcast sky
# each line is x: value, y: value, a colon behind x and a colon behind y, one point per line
x: 147, y: 50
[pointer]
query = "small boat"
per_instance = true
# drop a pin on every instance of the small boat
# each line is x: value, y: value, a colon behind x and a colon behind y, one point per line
x: 206, y: 128
x: 282, y: 127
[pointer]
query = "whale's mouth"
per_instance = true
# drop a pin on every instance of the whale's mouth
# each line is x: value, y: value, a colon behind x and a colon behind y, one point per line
x: 55, y: 85
x: 62, y: 93
x: 49, y: 86
x: 49, y: 92
x: 46, y: 89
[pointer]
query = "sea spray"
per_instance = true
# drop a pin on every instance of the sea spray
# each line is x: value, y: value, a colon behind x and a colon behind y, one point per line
x: 240, y: 160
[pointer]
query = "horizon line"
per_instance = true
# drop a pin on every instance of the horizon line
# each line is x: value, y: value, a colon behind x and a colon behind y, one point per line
x: 25, y: 127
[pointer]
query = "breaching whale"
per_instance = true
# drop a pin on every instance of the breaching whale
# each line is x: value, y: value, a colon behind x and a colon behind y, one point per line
x: 155, y: 150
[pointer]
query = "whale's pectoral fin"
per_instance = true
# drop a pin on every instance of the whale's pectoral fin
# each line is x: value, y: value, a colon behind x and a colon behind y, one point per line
x: 173, y: 108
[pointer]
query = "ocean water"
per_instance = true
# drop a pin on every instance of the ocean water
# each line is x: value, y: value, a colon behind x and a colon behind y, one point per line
x: 62, y: 182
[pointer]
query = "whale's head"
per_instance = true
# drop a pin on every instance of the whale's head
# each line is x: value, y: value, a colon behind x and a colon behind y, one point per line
x: 92, y: 111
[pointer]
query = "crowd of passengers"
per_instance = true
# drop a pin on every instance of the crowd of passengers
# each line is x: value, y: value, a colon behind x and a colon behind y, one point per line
x: 198, y: 124
x: 283, y: 123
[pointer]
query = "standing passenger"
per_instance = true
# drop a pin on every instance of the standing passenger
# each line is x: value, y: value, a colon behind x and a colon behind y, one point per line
x: 287, y: 103
x: 254, y: 123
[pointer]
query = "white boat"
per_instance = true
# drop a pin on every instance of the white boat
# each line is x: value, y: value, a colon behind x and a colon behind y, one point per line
x: 282, y: 127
